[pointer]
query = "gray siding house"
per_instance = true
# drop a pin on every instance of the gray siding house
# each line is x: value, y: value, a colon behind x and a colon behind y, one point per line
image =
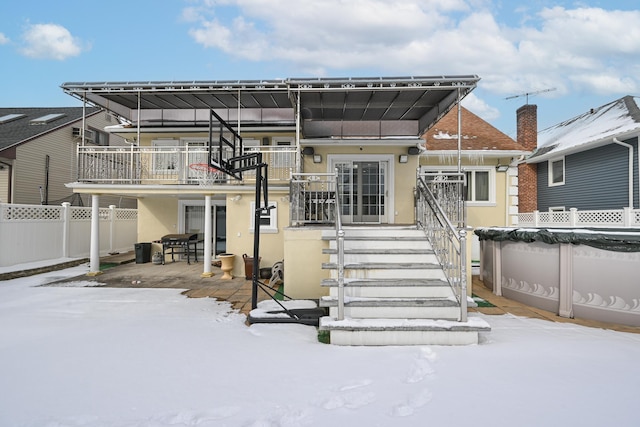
x: 38, y: 153
x: 590, y: 162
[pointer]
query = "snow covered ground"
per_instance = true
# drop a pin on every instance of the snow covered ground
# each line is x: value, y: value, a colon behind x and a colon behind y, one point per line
x: 91, y: 356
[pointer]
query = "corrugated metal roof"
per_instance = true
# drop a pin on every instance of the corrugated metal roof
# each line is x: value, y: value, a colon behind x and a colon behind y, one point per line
x: 382, y: 99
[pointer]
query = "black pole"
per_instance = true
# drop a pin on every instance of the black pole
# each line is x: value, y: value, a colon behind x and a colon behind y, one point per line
x: 256, y: 233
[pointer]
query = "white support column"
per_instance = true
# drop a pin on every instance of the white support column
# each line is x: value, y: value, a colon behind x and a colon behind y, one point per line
x: 94, y: 254
x: 112, y: 229
x: 66, y: 219
x: 207, y: 237
x: 565, y: 306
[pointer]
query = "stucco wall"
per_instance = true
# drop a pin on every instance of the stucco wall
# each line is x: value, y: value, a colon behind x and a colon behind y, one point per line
x: 303, y: 266
x: 156, y: 218
x: 240, y: 238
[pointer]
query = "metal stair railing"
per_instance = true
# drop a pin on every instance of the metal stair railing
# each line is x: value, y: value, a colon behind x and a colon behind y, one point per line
x: 340, y: 247
x: 440, y: 213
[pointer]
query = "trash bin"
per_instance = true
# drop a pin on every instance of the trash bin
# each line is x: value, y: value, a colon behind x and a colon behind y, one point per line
x: 248, y: 266
x: 143, y: 252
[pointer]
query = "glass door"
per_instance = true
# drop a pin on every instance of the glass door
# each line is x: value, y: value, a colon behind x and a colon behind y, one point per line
x: 194, y: 223
x: 362, y: 191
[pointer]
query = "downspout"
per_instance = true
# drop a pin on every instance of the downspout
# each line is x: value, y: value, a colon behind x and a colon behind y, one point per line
x: 630, y: 147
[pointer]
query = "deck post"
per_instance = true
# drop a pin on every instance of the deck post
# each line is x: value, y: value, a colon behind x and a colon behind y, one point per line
x: 94, y: 254
x: 207, y: 237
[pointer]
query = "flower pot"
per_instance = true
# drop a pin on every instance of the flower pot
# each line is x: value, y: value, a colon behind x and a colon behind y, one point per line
x: 226, y: 266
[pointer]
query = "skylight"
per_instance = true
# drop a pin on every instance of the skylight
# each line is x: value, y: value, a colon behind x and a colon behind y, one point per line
x: 10, y: 117
x: 46, y: 119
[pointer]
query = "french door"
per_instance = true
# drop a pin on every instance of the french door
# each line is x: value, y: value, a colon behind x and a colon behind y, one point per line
x: 362, y: 188
x: 193, y: 219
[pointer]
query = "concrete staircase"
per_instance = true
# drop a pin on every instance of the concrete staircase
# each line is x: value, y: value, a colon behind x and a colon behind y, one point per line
x: 395, y: 292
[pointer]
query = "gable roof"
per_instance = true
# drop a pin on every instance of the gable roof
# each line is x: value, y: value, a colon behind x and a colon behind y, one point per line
x: 477, y: 135
x: 23, y: 126
x: 329, y: 107
x: 618, y: 119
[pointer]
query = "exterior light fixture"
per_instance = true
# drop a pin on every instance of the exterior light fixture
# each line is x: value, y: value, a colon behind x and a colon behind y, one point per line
x: 317, y: 158
x: 403, y: 158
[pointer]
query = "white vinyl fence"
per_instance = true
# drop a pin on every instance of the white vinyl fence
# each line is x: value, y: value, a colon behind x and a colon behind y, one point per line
x: 627, y: 217
x: 31, y: 233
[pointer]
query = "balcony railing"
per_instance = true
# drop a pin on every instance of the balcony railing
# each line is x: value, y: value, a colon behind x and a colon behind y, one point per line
x: 172, y: 165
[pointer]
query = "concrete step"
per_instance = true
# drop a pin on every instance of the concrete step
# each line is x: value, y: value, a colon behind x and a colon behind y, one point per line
x: 383, y: 288
x: 388, y: 270
x: 373, y: 232
x: 384, y: 244
x: 394, y: 308
x: 402, y: 331
x: 385, y: 255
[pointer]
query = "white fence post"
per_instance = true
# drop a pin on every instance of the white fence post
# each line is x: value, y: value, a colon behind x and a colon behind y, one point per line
x: 627, y: 216
x: 66, y: 229
x: 536, y: 218
x: 573, y: 217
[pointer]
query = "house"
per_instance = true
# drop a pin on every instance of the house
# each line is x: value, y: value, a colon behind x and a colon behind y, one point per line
x: 488, y: 158
x: 278, y: 165
x: 38, y: 153
x: 589, y: 162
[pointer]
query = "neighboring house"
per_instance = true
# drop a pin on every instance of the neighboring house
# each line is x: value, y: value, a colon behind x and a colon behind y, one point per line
x: 38, y: 153
x: 589, y: 162
x: 488, y: 159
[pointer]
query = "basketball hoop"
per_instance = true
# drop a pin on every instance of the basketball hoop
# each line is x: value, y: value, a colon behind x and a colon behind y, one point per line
x: 204, y: 173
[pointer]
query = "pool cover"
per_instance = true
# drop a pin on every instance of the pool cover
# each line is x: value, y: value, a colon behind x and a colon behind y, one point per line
x: 611, y: 239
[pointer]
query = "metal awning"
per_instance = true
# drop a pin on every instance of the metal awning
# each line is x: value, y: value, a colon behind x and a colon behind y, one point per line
x: 329, y: 107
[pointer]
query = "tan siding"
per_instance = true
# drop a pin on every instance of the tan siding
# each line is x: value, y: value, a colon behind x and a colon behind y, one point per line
x: 60, y: 146
x: 4, y: 185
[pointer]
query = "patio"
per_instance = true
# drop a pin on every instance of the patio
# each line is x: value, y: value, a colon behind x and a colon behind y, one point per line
x: 120, y: 271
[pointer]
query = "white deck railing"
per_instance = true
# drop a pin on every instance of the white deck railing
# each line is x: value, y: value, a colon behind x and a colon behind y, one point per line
x: 626, y: 217
x: 171, y: 165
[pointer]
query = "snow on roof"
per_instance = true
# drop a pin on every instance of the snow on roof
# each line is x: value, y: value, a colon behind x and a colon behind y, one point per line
x: 599, y: 125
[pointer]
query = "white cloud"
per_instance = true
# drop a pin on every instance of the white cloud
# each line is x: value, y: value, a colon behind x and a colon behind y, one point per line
x: 50, y: 41
x: 585, y: 48
x: 3, y: 39
x: 479, y: 107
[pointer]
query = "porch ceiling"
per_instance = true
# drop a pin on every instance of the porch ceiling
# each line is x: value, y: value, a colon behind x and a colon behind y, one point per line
x: 419, y: 100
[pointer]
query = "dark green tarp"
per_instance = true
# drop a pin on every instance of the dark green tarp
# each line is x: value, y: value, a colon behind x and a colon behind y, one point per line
x: 610, y: 239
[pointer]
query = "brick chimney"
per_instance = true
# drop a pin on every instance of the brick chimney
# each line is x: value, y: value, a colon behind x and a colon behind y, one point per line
x: 527, y: 120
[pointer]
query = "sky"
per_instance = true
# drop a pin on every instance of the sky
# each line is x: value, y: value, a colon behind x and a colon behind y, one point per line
x: 569, y: 56
x: 79, y: 356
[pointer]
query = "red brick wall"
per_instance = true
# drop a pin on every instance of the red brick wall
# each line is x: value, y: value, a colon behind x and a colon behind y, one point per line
x: 527, y: 122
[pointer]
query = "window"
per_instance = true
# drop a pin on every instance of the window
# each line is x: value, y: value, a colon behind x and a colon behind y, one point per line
x: 556, y: 172
x: 268, y: 219
x: 10, y: 117
x: 46, y: 119
x: 100, y: 137
x: 479, y: 186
